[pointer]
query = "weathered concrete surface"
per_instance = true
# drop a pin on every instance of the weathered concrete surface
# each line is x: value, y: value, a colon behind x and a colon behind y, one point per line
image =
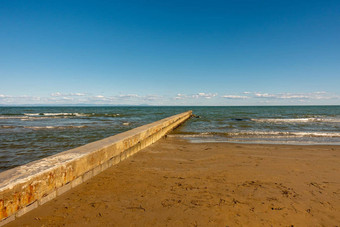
x: 25, y: 187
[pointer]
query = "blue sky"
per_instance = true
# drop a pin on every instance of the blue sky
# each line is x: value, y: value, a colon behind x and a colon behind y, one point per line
x: 170, y: 52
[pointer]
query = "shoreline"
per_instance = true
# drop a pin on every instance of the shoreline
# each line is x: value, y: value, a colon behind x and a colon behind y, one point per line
x: 174, y: 182
x: 210, y: 138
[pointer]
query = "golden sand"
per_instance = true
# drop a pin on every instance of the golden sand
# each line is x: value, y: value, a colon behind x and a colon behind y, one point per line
x: 176, y: 183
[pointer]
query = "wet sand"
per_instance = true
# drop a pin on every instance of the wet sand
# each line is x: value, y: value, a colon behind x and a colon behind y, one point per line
x: 176, y: 183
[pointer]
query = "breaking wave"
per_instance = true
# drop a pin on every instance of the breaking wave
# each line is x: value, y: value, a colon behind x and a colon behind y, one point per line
x: 55, y: 114
x: 259, y: 134
x: 72, y: 115
x: 55, y: 127
x: 297, y: 120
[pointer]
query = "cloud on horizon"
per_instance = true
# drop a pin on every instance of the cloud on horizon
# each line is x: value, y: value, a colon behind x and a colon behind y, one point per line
x: 58, y: 94
x: 235, y: 97
x: 196, y: 96
x: 200, y: 98
x: 319, y: 95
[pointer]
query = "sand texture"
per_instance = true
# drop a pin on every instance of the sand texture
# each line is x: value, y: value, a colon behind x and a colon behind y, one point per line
x: 176, y: 183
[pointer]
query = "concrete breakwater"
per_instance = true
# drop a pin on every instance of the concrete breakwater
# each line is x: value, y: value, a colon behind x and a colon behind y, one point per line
x: 28, y: 186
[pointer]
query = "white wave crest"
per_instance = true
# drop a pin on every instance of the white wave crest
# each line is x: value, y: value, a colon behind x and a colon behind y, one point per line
x: 55, y: 114
x: 297, y: 120
x: 283, y: 134
x: 55, y: 127
x: 190, y: 135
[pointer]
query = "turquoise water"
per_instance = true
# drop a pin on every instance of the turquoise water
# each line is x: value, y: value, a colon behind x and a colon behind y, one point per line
x: 31, y: 133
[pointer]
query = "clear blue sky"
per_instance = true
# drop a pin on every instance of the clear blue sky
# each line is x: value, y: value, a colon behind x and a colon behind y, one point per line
x: 170, y: 52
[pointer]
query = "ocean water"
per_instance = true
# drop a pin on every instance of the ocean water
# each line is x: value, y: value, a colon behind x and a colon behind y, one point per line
x: 31, y: 133
x: 302, y: 125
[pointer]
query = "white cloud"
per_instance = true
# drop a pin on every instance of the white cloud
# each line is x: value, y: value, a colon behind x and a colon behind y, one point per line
x: 264, y: 95
x: 300, y: 96
x: 201, y: 98
x: 58, y: 94
x: 234, y: 97
x: 67, y: 98
x: 204, y: 95
x: 128, y: 96
x: 123, y: 99
x: 293, y: 96
x: 180, y: 96
x: 77, y: 94
x: 95, y: 98
x: 152, y: 97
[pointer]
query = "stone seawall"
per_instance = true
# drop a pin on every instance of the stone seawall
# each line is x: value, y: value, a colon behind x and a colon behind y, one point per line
x: 28, y: 186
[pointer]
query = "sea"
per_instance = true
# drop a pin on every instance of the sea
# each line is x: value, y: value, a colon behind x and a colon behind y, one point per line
x: 31, y: 133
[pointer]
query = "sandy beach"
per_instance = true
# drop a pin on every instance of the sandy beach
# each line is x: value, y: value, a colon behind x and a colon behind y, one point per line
x: 177, y: 183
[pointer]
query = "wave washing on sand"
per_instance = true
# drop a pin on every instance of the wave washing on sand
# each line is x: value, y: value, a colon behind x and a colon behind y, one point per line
x: 263, y: 137
x: 282, y: 134
x: 298, y: 120
x: 259, y: 134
